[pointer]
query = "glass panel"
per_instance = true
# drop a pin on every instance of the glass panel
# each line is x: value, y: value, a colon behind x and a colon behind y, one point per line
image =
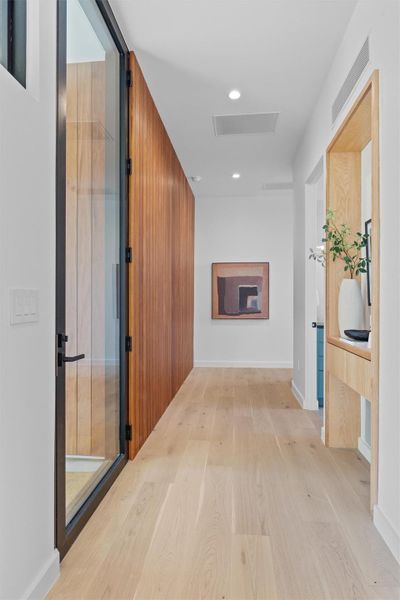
x: 92, y: 252
x: 3, y: 33
x: 18, y: 67
x: 13, y: 38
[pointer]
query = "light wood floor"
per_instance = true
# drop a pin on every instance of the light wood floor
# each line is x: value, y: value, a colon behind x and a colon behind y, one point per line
x: 234, y: 497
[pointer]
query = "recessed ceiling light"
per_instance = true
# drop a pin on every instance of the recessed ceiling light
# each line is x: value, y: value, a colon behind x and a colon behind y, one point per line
x: 236, y: 176
x: 195, y: 178
x: 234, y: 94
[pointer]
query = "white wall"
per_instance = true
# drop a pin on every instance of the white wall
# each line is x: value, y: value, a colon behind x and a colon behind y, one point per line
x: 83, y: 44
x: 380, y: 20
x: 28, y: 561
x: 241, y: 229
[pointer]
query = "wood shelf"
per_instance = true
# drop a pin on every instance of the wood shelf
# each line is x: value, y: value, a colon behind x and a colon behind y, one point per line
x: 349, y: 346
x: 352, y: 370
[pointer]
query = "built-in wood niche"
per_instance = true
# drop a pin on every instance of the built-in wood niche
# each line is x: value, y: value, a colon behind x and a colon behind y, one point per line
x: 353, y: 371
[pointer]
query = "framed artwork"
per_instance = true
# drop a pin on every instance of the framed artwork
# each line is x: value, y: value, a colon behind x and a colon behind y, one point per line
x: 240, y: 290
x: 368, y: 230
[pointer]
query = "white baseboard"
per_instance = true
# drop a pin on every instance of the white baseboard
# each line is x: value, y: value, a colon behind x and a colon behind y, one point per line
x: 297, y: 394
x: 243, y: 364
x: 390, y: 536
x: 364, y: 449
x: 45, y: 579
x: 313, y: 405
x: 323, y: 434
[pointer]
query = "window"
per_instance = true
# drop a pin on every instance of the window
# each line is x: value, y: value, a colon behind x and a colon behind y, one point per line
x: 13, y: 38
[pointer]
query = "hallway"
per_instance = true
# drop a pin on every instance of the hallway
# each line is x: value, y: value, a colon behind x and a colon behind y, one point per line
x: 233, y: 496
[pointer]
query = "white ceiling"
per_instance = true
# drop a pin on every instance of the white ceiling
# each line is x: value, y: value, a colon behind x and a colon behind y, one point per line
x: 192, y: 52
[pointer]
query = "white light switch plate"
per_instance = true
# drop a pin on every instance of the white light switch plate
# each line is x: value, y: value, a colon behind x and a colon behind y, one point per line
x: 24, y: 306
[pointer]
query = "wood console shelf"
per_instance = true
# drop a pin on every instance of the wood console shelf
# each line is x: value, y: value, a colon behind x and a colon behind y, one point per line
x: 359, y: 350
x: 352, y: 370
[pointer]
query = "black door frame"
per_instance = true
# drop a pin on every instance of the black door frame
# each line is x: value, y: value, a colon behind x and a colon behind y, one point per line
x: 65, y: 536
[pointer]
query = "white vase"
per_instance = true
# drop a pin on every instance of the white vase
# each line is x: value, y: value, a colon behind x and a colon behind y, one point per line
x: 351, y: 309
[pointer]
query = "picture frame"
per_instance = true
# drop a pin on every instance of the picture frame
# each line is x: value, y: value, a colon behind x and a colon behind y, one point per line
x: 368, y: 253
x: 240, y: 290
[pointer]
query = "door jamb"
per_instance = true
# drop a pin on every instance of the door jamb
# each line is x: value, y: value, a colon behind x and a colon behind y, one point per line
x: 310, y: 395
x: 65, y: 536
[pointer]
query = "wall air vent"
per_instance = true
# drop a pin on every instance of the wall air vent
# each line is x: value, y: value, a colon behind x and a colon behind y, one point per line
x: 351, y: 80
x: 248, y: 124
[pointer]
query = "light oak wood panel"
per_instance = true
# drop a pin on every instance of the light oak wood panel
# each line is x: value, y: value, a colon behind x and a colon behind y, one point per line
x: 98, y: 257
x: 353, y: 370
x: 84, y: 258
x: 360, y: 127
x: 161, y: 208
x: 166, y: 529
x: 91, y: 385
x: 71, y: 258
x: 356, y: 130
x: 361, y: 351
x: 342, y: 413
x: 344, y: 197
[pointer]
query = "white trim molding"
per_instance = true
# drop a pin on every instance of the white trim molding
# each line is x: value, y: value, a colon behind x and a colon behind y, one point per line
x: 297, y: 394
x: 323, y: 434
x: 311, y: 404
x: 45, y: 579
x: 243, y: 364
x: 389, y: 534
x: 364, y: 449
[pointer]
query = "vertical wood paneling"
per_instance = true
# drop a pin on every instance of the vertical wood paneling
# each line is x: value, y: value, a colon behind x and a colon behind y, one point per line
x: 71, y: 257
x: 98, y: 374
x: 344, y: 170
x: 86, y: 409
x: 161, y: 276
x: 84, y: 291
x: 182, y: 282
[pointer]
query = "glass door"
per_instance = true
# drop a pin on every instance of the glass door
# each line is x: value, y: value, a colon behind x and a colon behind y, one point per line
x: 91, y: 303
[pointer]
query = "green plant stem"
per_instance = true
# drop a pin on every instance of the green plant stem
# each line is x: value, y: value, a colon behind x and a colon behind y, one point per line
x: 352, y: 268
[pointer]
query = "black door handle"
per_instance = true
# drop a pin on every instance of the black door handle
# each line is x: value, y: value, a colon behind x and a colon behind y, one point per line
x: 62, y: 339
x: 68, y: 359
x: 72, y: 358
x: 313, y: 324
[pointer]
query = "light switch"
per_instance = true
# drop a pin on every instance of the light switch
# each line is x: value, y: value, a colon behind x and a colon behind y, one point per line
x: 24, y: 306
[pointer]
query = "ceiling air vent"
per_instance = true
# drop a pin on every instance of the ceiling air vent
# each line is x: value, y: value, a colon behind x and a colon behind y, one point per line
x: 351, y: 80
x: 245, y: 124
x: 280, y: 185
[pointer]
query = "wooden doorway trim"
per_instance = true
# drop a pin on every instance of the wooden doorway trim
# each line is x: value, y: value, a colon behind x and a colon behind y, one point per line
x: 66, y: 535
x: 343, y: 381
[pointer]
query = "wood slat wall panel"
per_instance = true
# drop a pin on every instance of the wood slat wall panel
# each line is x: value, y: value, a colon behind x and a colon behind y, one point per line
x: 71, y: 257
x: 182, y: 283
x: 161, y: 276
x: 98, y: 228
x: 88, y: 411
x: 84, y: 257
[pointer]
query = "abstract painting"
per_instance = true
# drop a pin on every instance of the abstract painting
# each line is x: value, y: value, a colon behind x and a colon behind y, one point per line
x: 240, y: 290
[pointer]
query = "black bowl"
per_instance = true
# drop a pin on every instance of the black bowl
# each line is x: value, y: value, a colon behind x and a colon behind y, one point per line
x: 360, y: 335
